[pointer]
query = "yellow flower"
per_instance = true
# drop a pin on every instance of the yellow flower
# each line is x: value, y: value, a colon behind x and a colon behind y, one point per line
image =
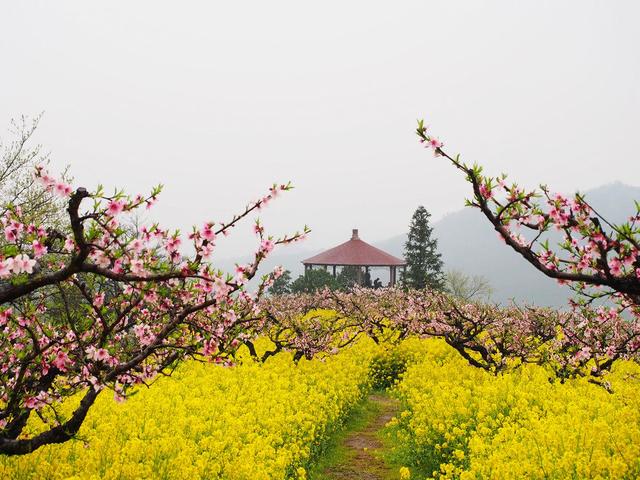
x: 405, y: 473
x: 248, y: 422
x: 461, y: 422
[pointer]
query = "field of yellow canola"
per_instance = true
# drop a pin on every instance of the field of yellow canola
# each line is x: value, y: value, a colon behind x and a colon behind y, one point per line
x: 246, y: 422
x: 461, y: 422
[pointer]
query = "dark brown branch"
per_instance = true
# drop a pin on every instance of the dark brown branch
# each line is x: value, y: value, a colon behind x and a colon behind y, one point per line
x: 57, y: 434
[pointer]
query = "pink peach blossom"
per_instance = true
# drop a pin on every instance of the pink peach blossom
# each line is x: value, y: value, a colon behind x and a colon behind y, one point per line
x: 38, y: 249
x: 485, y: 191
x: 208, y: 233
x: 115, y: 207
x: 22, y: 264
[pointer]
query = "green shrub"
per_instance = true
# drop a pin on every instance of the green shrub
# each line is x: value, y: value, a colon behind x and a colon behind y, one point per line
x: 386, y: 368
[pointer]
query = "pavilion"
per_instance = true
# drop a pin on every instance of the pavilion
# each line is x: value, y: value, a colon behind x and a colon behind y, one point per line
x: 358, y: 253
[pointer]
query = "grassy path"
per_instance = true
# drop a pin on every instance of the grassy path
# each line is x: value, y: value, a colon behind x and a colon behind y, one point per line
x: 357, y: 452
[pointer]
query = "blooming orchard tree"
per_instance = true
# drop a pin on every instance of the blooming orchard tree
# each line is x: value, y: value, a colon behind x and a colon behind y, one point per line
x: 487, y: 336
x: 103, y: 304
x: 598, y: 259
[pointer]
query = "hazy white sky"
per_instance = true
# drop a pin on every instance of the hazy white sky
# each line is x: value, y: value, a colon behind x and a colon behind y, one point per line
x: 219, y: 99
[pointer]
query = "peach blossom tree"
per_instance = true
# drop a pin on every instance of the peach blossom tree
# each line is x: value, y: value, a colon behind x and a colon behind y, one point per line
x: 598, y: 259
x: 103, y: 303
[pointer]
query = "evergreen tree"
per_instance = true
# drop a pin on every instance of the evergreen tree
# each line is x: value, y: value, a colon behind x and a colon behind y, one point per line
x: 424, y: 265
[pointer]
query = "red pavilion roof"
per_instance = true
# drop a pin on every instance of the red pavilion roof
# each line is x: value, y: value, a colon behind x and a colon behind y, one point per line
x: 355, y: 252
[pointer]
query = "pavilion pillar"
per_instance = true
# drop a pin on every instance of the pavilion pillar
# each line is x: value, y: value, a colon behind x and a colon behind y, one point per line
x: 392, y: 276
x: 359, y: 275
x: 334, y: 271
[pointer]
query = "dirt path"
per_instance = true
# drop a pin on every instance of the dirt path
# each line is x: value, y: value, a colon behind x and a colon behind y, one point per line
x: 362, y: 459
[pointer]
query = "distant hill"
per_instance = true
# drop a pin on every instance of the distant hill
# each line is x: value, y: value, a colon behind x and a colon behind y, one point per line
x: 468, y: 242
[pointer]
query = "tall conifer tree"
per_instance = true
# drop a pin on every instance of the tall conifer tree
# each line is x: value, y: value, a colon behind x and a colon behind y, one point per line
x: 424, y: 265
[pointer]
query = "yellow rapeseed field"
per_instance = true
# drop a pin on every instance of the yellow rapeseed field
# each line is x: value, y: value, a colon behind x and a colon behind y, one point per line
x: 268, y: 421
x: 246, y: 422
x: 461, y: 422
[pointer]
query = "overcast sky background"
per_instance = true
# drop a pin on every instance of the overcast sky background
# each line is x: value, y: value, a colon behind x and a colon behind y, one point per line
x: 217, y: 100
